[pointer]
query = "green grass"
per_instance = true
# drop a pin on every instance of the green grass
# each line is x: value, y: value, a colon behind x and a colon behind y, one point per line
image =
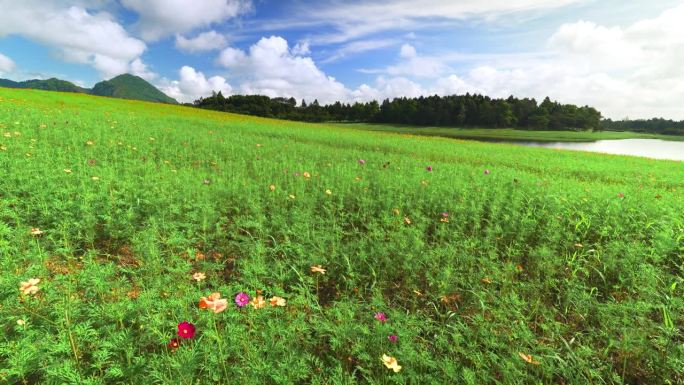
x: 575, y: 260
x: 507, y: 134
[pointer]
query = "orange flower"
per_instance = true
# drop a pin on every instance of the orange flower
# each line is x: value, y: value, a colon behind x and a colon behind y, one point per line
x: 486, y: 280
x: 258, y: 302
x: 528, y: 358
x: 36, y: 231
x: 213, y: 302
x: 391, y: 363
x: 29, y: 287
x: 317, y: 269
x: 306, y: 174
x: 278, y: 301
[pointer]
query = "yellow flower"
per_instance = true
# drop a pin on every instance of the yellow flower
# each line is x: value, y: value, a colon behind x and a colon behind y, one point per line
x: 3, y: 148
x: 391, y: 363
x: 272, y: 187
x: 407, y: 220
x: 199, y: 276
x: 292, y: 196
x: 328, y: 192
x: 90, y: 143
x: 306, y: 174
x: 317, y: 269
x: 258, y: 302
x: 36, y: 231
x: 67, y: 170
x: 29, y: 287
x: 528, y: 358
x: 278, y: 301
x: 95, y: 178
x: 21, y: 322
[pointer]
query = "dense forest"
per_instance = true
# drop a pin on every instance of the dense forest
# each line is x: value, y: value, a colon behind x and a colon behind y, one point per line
x: 655, y: 126
x: 469, y: 110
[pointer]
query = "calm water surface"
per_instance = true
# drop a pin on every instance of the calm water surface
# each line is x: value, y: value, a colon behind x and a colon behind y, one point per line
x: 649, y: 148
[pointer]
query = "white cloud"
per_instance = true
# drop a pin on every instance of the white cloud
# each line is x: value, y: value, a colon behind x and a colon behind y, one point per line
x: 161, y: 18
x: 301, y: 48
x: 206, y: 41
x: 358, y: 47
x: 193, y: 84
x: 271, y: 68
x: 75, y: 34
x: 358, y: 18
x: 6, y: 64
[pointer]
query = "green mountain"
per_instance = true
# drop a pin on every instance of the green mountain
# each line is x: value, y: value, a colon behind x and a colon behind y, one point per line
x: 123, y: 86
x: 130, y: 87
x: 52, y: 84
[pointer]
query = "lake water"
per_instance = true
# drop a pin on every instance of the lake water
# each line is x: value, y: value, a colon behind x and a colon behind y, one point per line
x: 649, y: 148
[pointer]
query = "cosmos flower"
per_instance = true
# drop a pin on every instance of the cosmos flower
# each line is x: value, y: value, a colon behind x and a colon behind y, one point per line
x: 380, y: 316
x: 487, y: 172
x: 199, y: 276
x: 306, y: 174
x: 392, y: 338
x: 278, y: 301
x: 272, y: 187
x: 186, y: 330
x: 328, y: 192
x: 258, y: 302
x: 30, y: 287
x: 291, y: 196
x: 206, y: 181
x: 429, y: 168
x: 173, y: 344
x: 528, y: 358
x: 445, y: 217
x: 21, y: 322
x: 36, y: 231
x: 407, y: 220
x: 242, y: 299
x: 391, y: 363
x: 317, y: 269
x: 362, y: 162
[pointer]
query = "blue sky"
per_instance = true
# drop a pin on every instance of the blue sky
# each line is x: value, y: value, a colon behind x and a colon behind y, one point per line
x: 621, y: 57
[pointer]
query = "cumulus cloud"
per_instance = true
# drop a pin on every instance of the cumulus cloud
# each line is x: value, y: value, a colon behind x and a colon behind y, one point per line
x: 6, y: 64
x: 193, y: 84
x: 161, y: 18
x: 74, y: 33
x: 205, y: 41
x: 271, y: 68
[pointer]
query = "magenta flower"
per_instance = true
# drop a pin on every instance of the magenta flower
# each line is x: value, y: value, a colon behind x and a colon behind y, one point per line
x: 392, y: 338
x: 186, y: 330
x: 242, y: 299
x: 362, y: 162
x: 487, y: 172
x: 445, y: 215
x: 380, y: 316
x: 429, y: 168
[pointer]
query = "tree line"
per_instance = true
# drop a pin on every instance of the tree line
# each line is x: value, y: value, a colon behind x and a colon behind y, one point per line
x: 469, y: 110
x: 652, y: 126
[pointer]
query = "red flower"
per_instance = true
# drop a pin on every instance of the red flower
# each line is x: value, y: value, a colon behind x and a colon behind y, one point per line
x: 173, y: 344
x: 186, y: 330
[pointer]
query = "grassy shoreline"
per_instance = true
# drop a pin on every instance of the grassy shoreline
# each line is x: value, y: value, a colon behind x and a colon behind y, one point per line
x: 507, y: 134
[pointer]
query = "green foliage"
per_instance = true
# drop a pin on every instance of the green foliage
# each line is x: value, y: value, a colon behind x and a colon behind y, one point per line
x: 573, y: 259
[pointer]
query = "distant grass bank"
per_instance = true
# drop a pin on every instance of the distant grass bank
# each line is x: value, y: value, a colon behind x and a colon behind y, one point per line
x: 508, y: 134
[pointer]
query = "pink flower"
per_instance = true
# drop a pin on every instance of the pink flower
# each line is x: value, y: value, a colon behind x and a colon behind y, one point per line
x: 380, y: 316
x: 487, y: 172
x: 242, y: 299
x: 621, y: 195
x: 429, y: 168
x: 392, y: 338
x: 362, y: 162
x: 186, y: 330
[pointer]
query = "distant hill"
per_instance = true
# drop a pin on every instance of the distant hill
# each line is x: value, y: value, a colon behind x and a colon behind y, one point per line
x: 52, y: 84
x: 123, y: 86
x: 131, y: 87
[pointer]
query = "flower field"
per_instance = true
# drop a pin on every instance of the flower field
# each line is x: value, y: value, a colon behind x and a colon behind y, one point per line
x: 153, y: 244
